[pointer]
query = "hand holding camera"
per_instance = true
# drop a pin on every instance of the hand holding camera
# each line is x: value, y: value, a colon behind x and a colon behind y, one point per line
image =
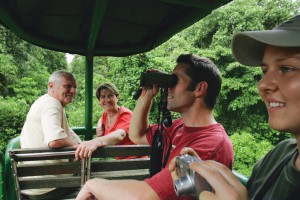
x: 189, y: 182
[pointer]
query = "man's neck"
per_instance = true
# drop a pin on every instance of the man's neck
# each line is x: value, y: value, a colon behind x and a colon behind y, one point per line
x: 198, y: 119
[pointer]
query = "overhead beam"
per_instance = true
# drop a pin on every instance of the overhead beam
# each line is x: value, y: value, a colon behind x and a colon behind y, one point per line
x: 203, y: 4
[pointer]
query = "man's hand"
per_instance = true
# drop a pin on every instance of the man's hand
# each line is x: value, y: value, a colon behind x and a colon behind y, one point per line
x: 150, y: 91
x: 86, y: 148
x: 172, y: 165
x: 221, y: 179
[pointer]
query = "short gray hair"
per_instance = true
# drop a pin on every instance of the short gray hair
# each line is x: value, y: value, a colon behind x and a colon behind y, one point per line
x: 56, y: 76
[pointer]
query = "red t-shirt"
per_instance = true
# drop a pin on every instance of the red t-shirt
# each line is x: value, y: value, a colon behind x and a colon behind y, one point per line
x: 210, y: 143
x: 122, y: 122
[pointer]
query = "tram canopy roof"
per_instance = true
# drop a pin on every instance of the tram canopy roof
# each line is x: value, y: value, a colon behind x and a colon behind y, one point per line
x: 102, y: 27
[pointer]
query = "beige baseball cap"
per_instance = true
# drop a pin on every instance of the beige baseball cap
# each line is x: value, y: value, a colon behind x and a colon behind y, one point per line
x: 248, y: 47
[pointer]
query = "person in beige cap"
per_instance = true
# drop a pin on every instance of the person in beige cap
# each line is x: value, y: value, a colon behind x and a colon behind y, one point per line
x: 277, y: 174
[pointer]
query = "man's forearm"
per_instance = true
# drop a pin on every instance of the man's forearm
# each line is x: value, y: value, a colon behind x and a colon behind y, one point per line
x: 64, y: 142
x: 139, y: 120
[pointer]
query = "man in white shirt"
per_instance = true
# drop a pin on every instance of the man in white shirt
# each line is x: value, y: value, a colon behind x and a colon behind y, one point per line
x: 46, y: 124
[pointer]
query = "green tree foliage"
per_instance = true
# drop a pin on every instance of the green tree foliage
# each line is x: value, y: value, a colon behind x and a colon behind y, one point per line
x: 247, y: 151
x: 12, y: 116
x: 8, y: 74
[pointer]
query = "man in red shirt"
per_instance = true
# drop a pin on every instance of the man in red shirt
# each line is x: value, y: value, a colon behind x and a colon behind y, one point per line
x: 194, y: 97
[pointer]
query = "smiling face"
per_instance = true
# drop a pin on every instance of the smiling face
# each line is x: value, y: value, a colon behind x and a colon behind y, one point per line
x: 280, y: 87
x: 107, y: 100
x: 63, y: 89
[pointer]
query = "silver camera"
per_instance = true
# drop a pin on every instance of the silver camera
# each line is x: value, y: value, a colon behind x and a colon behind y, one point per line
x: 189, y: 182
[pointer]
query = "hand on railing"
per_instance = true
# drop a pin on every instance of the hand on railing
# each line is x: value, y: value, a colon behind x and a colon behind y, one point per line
x: 86, y: 148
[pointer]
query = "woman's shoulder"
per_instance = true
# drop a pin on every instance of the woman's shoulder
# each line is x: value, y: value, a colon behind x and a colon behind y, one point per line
x: 125, y: 110
x: 286, y: 145
x: 279, y: 151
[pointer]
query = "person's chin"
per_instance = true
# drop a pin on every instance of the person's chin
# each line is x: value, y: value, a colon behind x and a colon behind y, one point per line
x: 68, y: 102
x: 170, y: 107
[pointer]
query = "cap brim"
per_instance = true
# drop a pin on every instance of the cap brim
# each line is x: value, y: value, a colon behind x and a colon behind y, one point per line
x: 248, y: 47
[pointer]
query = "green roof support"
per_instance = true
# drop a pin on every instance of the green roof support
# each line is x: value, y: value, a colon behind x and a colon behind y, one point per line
x: 98, y: 15
x: 89, y: 97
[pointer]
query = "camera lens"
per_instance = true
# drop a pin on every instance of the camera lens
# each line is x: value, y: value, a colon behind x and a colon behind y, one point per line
x: 184, y: 186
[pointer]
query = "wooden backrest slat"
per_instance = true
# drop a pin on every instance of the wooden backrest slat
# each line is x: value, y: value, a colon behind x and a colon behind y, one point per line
x: 122, y: 150
x: 115, y: 165
x: 49, y: 169
x: 50, y: 182
x: 41, y: 154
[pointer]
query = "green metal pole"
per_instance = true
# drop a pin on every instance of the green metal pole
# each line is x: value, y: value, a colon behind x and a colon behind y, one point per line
x: 89, y: 97
x: 99, y: 12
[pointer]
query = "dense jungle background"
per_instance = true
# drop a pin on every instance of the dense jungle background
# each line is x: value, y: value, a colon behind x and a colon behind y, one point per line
x: 25, y: 68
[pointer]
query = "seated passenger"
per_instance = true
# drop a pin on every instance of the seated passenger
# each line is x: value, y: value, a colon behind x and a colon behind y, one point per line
x: 46, y: 125
x: 112, y: 127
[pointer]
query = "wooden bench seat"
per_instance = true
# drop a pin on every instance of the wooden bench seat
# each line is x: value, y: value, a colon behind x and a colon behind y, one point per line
x: 30, y: 173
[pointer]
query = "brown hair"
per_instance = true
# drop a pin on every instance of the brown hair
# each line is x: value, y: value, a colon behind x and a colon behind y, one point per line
x: 109, y: 86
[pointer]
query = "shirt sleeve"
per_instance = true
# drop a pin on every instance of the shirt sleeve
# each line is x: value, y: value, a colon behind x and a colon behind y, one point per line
x: 123, y: 121
x: 162, y: 184
x: 150, y: 132
x: 52, y: 116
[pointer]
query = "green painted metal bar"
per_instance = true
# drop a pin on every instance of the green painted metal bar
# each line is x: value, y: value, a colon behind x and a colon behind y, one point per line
x: 9, y: 177
x: 99, y: 12
x: 98, y: 16
x: 88, y: 97
x: 2, y: 181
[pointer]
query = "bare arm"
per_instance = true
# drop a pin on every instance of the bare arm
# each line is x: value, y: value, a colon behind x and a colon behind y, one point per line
x: 140, y: 120
x: 117, y: 189
x: 99, y: 129
x: 69, y: 141
x: 113, y: 137
x: 86, y: 148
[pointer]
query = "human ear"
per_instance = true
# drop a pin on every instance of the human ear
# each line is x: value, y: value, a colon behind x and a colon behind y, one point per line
x: 201, y: 88
x: 50, y: 85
